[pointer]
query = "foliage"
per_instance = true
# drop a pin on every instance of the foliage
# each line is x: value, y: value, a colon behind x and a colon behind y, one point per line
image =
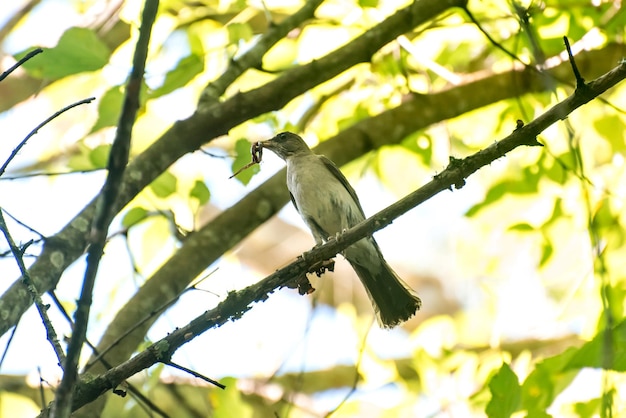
x: 521, y: 271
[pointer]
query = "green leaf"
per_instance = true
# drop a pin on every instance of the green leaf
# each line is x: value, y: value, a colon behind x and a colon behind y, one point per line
x: 134, y: 216
x: 607, y: 350
x: 281, y: 56
x: 588, y: 409
x: 421, y: 144
x: 164, y: 185
x: 603, y: 217
x: 537, y: 391
x: 528, y: 184
x: 522, y: 227
x: 201, y: 192
x: 79, y: 50
x: 109, y: 108
x: 546, y: 252
x: 546, y: 382
x: 229, y: 403
x: 368, y: 3
x: 612, y: 128
x: 239, y: 32
x: 505, y: 393
x: 99, y: 156
x: 186, y: 69
x: 244, y: 156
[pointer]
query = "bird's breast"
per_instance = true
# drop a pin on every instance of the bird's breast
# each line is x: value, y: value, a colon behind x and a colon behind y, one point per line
x: 320, y: 196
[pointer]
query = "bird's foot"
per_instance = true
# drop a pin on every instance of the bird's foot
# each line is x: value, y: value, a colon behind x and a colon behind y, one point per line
x: 337, y: 236
x: 301, y: 283
x: 322, y: 267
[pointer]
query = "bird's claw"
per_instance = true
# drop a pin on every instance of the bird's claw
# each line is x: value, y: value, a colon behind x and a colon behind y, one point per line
x: 301, y: 283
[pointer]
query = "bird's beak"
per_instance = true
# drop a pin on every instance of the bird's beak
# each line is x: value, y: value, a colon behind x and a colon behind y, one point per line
x: 269, y: 144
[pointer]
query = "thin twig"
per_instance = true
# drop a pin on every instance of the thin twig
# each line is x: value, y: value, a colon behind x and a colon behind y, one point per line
x: 580, y: 81
x: 6, y: 348
x: 49, y: 174
x: 34, y: 231
x: 253, y: 57
x: 20, y: 62
x: 195, y: 374
x: 42, y: 393
x: 118, y: 159
x: 32, y: 290
x: 34, y: 131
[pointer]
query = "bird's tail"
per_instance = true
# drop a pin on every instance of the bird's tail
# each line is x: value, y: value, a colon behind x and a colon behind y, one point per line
x: 394, y: 302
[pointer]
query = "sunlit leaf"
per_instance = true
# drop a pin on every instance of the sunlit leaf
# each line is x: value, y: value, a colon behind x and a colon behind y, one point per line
x: 16, y: 405
x: 164, y: 185
x: 546, y: 252
x: 134, y: 216
x: 421, y: 144
x: 505, y: 393
x: 78, y: 50
x: 239, y: 32
x: 109, y: 108
x: 607, y: 350
x: 526, y: 185
x: 538, y: 390
x: 588, y: 409
x: 99, y: 156
x: 522, y: 227
x: 186, y: 69
x: 368, y: 3
x: 200, y: 192
x: 612, y: 128
x: 281, y: 56
x: 229, y: 403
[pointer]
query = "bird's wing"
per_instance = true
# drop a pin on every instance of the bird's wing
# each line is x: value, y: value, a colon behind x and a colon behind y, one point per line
x: 343, y: 180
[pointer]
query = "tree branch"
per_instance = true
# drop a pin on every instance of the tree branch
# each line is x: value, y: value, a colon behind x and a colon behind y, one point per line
x: 41, y: 125
x: 118, y: 159
x: 253, y: 56
x: 33, y: 292
x: 238, y: 303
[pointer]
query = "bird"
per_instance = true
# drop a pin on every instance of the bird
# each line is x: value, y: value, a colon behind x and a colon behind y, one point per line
x: 329, y: 205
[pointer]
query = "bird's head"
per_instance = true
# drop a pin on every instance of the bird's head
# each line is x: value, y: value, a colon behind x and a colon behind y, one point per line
x: 286, y: 144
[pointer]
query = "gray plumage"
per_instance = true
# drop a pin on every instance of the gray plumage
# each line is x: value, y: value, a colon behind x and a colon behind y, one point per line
x: 329, y: 205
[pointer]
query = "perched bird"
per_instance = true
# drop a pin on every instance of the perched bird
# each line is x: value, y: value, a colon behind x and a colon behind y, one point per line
x: 329, y: 205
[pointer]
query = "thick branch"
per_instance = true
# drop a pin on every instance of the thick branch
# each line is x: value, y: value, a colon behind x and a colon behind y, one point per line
x: 237, y: 303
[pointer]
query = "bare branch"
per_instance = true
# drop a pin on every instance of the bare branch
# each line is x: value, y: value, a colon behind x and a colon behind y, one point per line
x: 41, y: 125
x: 33, y: 292
x: 252, y: 57
x: 20, y: 62
x: 118, y: 159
